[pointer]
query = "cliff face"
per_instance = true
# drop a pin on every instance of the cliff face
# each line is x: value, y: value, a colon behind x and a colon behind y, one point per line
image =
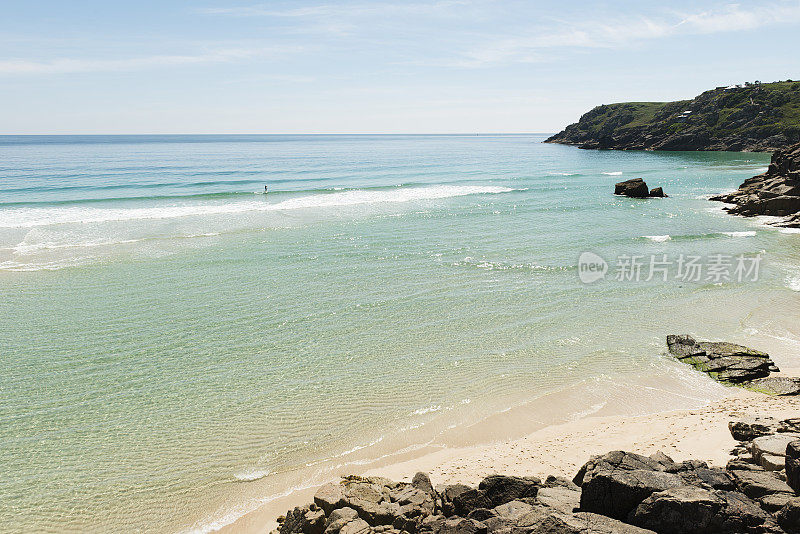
x: 776, y: 192
x: 754, y: 118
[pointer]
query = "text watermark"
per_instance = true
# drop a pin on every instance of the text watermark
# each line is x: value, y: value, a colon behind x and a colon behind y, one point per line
x: 712, y: 268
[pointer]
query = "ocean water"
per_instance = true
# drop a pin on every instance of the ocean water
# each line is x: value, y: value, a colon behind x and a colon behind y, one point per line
x: 179, y: 348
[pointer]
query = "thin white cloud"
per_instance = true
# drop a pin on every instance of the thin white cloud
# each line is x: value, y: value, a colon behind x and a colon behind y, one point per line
x: 624, y: 32
x: 736, y: 18
x: 77, y: 65
x: 354, y: 9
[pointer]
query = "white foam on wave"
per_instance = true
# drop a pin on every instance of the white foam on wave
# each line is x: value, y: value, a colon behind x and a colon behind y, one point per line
x: 24, y: 248
x: 32, y: 217
x: 347, y: 452
x: 793, y: 283
x: 658, y: 238
x: 790, y: 230
x: 749, y: 233
x: 428, y: 409
x: 250, y: 476
x: 617, y: 173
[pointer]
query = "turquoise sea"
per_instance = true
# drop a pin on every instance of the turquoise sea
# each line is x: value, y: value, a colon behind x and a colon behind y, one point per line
x: 179, y: 348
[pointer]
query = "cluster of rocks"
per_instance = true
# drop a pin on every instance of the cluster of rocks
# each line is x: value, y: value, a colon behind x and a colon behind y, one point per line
x: 730, y: 363
x: 620, y: 492
x: 767, y: 460
x: 637, y: 188
x: 775, y: 193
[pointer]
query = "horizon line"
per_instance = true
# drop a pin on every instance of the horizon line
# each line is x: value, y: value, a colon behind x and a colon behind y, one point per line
x: 279, y: 133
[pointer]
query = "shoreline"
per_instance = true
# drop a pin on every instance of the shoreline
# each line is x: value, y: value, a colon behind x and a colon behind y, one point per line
x: 561, y: 449
x: 497, y: 444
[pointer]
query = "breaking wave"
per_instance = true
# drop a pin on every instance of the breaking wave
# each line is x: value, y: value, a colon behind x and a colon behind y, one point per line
x: 32, y: 217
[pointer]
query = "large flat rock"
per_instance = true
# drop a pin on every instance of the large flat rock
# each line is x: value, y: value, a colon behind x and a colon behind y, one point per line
x: 730, y: 363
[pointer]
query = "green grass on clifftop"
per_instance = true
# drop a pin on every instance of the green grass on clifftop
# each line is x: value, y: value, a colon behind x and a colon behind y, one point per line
x: 749, y: 117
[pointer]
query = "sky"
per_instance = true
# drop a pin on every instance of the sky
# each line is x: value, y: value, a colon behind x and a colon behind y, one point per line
x: 442, y: 66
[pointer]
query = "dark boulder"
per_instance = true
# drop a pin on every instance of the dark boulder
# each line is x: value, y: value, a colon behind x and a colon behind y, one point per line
x: 615, y: 493
x: 691, y: 510
x: 500, y: 489
x: 714, y: 477
x: 657, y: 192
x: 789, y: 425
x: 460, y: 525
x: 773, y: 503
x: 481, y: 514
x: 303, y: 520
x: 339, y: 518
x: 680, y: 510
x: 747, y: 430
x: 621, y: 460
x: 756, y: 484
x: 422, y: 482
x: 447, y: 495
x: 635, y: 188
x: 470, y: 500
x: 584, y: 523
x: 789, y: 516
x: 793, y: 465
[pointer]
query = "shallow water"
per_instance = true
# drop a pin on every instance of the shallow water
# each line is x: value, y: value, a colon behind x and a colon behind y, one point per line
x: 178, y: 347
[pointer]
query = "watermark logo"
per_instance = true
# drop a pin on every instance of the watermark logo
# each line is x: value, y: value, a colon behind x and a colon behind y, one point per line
x: 591, y: 267
x: 714, y: 268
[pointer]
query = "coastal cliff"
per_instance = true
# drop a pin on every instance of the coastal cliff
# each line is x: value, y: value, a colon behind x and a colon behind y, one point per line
x: 753, y: 118
x: 774, y: 193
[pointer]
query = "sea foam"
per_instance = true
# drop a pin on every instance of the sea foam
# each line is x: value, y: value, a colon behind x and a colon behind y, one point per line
x: 658, y: 238
x: 750, y: 233
x: 32, y: 217
x: 250, y: 476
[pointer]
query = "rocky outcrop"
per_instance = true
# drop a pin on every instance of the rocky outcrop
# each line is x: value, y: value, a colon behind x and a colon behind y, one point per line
x: 764, y: 469
x: 756, y: 117
x: 774, y: 193
x: 727, y: 362
x: 619, y: 492
x: 637, y: 188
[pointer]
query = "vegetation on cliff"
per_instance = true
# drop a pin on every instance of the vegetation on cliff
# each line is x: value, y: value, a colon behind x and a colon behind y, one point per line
x: 750, y: 117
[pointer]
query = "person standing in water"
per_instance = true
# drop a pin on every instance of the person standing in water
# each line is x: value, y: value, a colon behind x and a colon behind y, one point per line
x: 265, y: 189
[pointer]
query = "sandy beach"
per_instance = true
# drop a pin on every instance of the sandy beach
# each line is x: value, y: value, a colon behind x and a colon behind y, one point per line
x: 562, y: 449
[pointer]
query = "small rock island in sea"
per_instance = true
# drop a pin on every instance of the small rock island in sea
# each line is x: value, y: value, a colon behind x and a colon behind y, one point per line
x: 637, y: 188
